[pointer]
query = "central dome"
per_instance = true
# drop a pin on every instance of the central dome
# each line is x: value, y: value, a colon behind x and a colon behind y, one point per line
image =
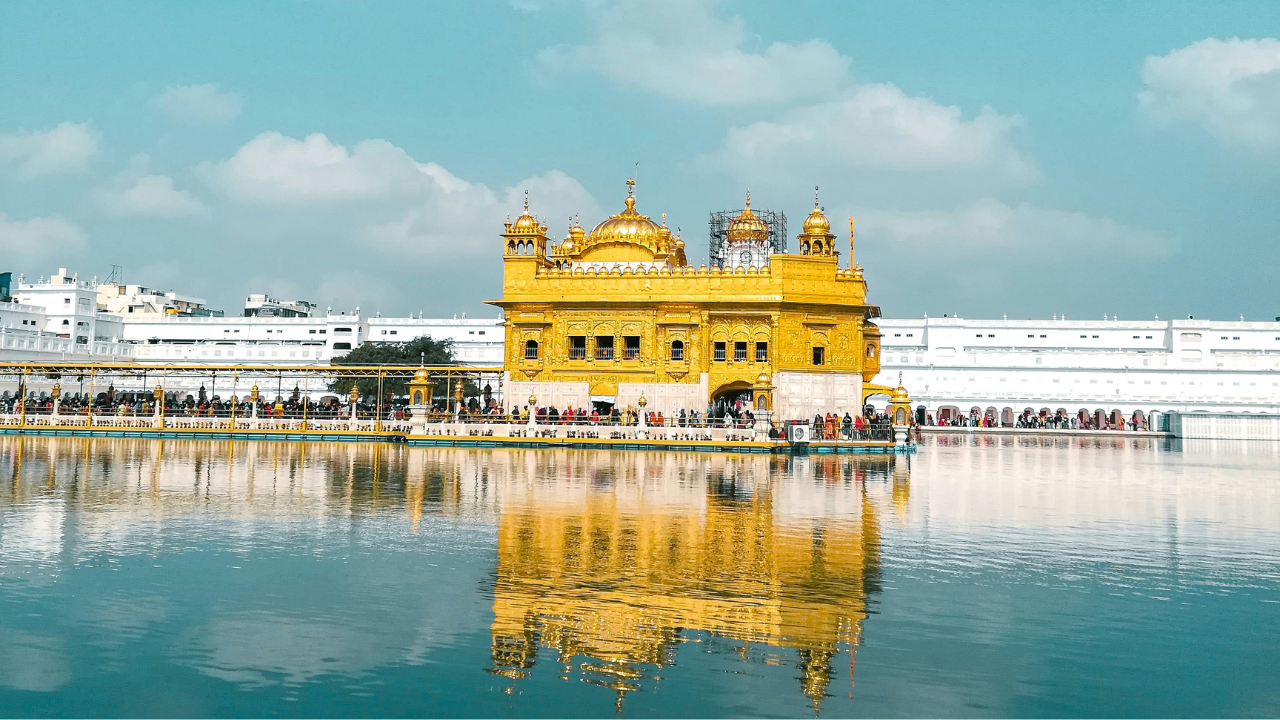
x: 629, y: 236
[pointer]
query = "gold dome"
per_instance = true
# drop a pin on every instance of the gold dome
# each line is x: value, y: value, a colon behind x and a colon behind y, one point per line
x: 628, y: 228
x: 816, y: 223
x: 421, y: 376
x: 527, y: 223
x: 574, y: 240
x: 748, y: 225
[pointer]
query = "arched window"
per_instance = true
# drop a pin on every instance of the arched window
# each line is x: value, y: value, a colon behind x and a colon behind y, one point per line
x: 817, y: 247
x: 804, y: 248
x: 871, y: 351
x: 417, y: 397
x: 677, y: 350
x: 530, y: 349
x: 511, y: 247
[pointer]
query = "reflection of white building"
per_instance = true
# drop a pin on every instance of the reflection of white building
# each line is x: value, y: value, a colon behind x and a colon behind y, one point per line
x: 955, y: 364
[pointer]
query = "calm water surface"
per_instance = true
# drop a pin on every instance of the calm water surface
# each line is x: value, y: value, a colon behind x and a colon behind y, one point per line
x: 979, y: 578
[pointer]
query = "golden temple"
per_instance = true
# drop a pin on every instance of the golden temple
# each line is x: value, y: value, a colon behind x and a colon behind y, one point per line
x: 618, y: 314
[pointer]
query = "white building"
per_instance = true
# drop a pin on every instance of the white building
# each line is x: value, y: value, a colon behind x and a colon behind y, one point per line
x: 24, y: 338
x: 63, y: 312
x: 475, y: 342
x: 129, y: 300
x: 261, y: 305
x: 954, y: 365
x: 234, y: 340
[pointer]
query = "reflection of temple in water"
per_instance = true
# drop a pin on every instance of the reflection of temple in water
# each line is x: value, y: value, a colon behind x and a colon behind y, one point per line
x: 607, y: 562
x: 615, y: 576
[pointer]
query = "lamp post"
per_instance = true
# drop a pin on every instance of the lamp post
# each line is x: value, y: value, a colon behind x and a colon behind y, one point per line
x: 642, y: 402
x: 22, y: 398
x: 56, y: 392
x: 763, y: 406
x: 354, y: 396
x: 158, y: 416
x: 533, y: 407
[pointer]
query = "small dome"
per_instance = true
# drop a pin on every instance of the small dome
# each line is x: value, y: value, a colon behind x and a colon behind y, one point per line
x: 527, y: 223
x: 748, y: 226
x: 420, y: 376
x: 816, y: 223
x: 574, y: 240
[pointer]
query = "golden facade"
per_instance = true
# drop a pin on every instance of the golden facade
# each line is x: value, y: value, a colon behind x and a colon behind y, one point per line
x: 618, y: 313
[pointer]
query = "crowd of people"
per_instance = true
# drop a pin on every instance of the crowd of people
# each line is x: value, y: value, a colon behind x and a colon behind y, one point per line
x: 830, y: 426
x: 1045, y: 421
x: 868, y: 426
x: 138, y: 404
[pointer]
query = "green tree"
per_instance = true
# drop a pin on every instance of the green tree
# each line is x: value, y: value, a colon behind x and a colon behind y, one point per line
x: 423, y: 350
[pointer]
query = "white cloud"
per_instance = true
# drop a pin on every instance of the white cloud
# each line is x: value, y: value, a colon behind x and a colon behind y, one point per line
x: 991, y: 226
x: 834, y: 129
x: 273, y: 169
x: 876, y: 131
x: 386, y: 198
x: 1231, y: 88
x: 135, y: 192
x: 367, y: 223
x: 38, y: 238
x: 67, y: 148
x: 684, y: 50
x: 205, y: 103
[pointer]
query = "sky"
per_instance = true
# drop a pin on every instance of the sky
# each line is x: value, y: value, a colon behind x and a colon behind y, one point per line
x: 1000, y: 159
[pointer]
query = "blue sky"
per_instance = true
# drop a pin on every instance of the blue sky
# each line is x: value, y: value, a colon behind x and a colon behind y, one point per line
x: 1022, y: 159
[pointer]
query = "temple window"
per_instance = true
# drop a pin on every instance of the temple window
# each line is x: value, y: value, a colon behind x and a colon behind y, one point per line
x: 677, y: 350
x: 719, y: 352
x: 819, y: 356
x: 740, y: 351
x: 604, y: 347
x: 762, y: 352
x: 577, y: 347
x: 530, y: 349
x: 871, y: 351
x: 631, y: 347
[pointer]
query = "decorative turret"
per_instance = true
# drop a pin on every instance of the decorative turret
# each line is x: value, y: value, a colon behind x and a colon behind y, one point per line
x: 527, y: 235
x: 816, y: 238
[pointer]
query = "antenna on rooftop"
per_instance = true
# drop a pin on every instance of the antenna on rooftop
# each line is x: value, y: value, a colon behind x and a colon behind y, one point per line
x: 117, y: 275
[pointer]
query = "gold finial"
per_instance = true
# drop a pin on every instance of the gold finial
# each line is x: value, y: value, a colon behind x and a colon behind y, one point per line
x: 664, y: 219
x: 815, y: 196
x: 631, y: 197
x: 526, y: 202
x: 748, y: 198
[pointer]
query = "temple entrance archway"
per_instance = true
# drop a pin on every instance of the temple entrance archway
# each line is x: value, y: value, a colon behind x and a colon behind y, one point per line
x: 725, y: 399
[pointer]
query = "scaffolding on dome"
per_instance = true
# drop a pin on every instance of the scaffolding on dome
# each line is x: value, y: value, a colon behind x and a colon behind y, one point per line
x: 719, y: 238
